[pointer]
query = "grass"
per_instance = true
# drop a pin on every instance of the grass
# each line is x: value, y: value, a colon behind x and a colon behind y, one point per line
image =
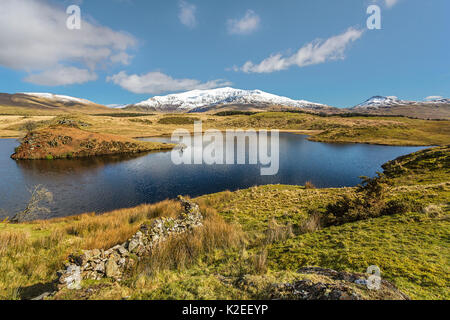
x: 374, y: 130
x: 31, y: 253
x: 412, y: 251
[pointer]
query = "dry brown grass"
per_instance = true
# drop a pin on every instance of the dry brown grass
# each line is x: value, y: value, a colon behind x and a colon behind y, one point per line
x: 181, y: 251
x: 259, y: 262
x: 312, y: 223
x: 276, y: 232
x: 15, y: 241
x: 108, y: 230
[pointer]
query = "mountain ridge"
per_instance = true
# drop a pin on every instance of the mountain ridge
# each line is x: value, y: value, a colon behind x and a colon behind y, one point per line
x: 205, y: 99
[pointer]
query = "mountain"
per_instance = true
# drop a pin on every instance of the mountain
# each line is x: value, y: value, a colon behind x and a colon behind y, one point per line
x: 205, y: 100
x: 379, y: 105
x: 380, y: 101
x: 47, y: 103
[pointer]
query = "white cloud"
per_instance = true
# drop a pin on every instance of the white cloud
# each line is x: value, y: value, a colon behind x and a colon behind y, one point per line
x: 430, y: 98
x: 61, y: 76
x: 248, y: 24
x: 157, y: 82
x: 315, y: 52
x: 390, y: 3
x: 35, y: 39
x: 187, y: 14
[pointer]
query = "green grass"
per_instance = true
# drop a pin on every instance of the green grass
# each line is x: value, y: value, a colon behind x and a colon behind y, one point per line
x: 412, y: 250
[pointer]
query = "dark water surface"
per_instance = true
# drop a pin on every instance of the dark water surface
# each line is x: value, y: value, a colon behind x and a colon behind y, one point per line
x: 105, y: 183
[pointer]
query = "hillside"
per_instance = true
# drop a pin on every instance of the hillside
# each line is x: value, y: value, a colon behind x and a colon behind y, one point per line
x: 45, y: 104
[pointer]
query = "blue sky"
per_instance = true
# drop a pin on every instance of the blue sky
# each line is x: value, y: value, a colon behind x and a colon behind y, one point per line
x: 129, y: 50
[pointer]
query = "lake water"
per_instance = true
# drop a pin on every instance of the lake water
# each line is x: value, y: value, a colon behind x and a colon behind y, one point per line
x: 102, y: 184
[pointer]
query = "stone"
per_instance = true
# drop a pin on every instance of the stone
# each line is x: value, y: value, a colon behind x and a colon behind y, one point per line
x: 133, y: 245
x: 112, y: 269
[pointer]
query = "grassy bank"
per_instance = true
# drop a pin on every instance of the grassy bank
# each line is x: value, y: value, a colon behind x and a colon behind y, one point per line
x: 253, y: 239
x: 374, y: 130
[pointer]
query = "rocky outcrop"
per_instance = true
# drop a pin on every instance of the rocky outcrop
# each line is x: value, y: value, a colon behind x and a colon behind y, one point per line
x: 115, y: 262
x: 327, y: 284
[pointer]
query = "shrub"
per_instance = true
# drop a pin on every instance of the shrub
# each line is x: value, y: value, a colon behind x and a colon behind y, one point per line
x: 34, y: 208
x: 29, y: 126
x: 395, y: 207
x: 49, y: 157
x: 369, y: 202
x: 309, y: 185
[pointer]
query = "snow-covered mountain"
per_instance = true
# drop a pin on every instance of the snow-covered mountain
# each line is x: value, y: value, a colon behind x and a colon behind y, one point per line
x: 57, y: 98
x: 202, y: 99
x: 380, y: 101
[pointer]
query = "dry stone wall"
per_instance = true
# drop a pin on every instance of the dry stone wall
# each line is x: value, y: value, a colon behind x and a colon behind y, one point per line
x: 114, y: 262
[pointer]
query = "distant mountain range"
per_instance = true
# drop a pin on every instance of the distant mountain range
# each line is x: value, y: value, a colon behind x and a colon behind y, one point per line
x: 379, y: 105
x: 380, y: 101
x: 224, y: 99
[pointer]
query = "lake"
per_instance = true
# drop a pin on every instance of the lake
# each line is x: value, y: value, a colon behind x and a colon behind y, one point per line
x: 103, y: 184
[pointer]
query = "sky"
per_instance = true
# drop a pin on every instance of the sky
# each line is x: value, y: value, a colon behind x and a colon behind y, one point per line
x: 126, y: 51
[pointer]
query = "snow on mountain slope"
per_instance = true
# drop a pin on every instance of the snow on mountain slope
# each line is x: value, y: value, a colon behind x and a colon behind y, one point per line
x: 380, y: 101
x: 207, y: 98
x: 56, y: 97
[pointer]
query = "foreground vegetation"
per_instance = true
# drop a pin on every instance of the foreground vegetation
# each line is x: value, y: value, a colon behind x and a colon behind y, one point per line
x: 256, y: 238
x: 342, y: 129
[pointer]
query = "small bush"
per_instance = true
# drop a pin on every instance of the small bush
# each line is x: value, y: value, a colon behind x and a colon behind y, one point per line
x: 35, y: 209
x: 396, y: 207
x: 29, y: 126
x: 309, y: 185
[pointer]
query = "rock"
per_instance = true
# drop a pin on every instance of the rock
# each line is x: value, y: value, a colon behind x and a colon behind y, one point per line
x: 133, y: 245
x: 71, y: 277
x: 112, y: 270
x: 100, y: 267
